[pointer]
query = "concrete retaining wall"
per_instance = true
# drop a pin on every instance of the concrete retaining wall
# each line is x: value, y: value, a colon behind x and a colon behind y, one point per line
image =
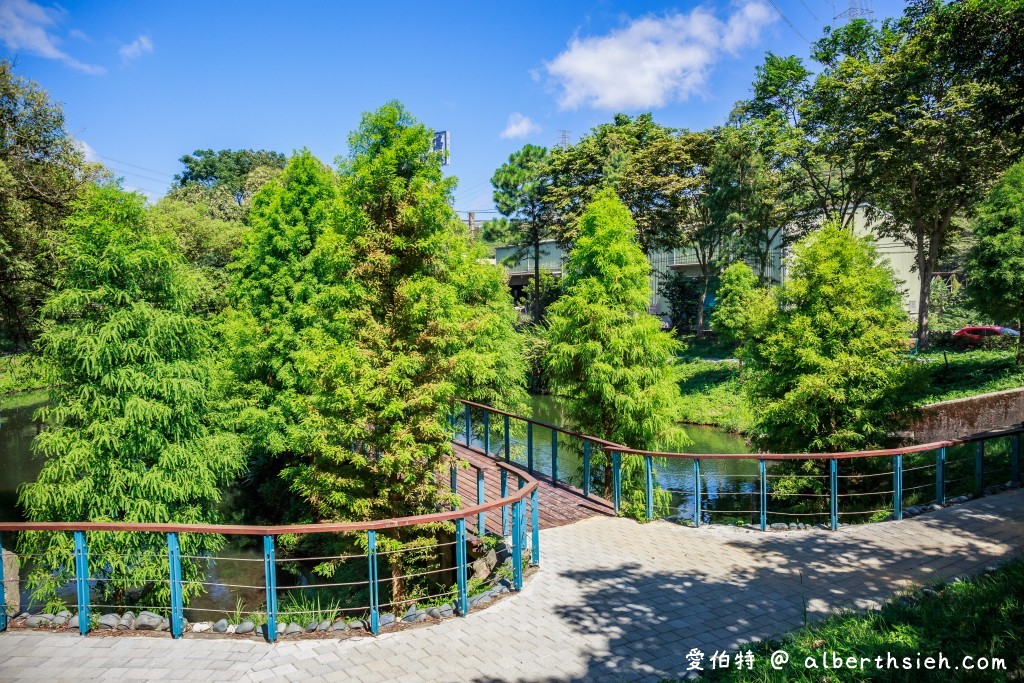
x: 963, y: 416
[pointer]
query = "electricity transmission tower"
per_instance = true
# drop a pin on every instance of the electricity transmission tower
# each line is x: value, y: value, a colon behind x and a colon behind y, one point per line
x: 857, y: 9
x: 563, y: 138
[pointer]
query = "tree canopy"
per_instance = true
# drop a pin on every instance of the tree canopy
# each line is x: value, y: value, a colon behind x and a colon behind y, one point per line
x: 132, y: 434
x: 229, y: 170
x: 996, y: 259
x: 608, y: 357
x: 521, y: 187
x: 41, y: 170
x: 362, y: 311
x: 827, y: 369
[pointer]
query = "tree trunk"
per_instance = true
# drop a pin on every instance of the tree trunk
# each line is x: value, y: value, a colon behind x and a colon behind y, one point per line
x: 700, y: 307
x: 1020, y: 350
x: 924, y: 299
x: 536, y: 281
x: 926, y: 256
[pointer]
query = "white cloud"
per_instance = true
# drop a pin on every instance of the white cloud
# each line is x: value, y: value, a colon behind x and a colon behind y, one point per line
x: 87, y: 151
x: 519, y: 126
x: 25, y: 25
x: 78, y: 34
x: 136, y: 48
x: 653, y: 61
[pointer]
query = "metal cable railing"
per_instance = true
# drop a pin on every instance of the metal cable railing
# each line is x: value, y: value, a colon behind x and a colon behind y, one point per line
x: 421, y: 574
x: 827, y: 495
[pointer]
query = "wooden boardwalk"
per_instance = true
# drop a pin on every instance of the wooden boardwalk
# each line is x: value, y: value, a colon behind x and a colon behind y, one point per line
x: 560, y: 504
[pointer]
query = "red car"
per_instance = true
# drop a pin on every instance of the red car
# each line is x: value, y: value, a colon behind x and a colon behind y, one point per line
x: 978, y: 333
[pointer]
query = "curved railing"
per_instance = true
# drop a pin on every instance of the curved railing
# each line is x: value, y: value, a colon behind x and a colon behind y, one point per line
x: 459, y: 599
x: 952, y: 469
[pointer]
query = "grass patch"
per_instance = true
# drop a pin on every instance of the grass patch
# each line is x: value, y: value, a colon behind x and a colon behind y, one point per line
x: 707, y: 346
x: 981, y: 617
x: 19, y: 372
x: 713, y: 395
x: 959, y: 374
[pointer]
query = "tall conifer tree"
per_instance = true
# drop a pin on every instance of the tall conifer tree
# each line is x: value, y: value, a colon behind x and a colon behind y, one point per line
x: 131, y: 435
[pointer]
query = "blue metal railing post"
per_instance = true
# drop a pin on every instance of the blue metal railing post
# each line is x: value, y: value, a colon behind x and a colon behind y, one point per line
x: 554, y: 457
x: 897, y: 486
x: 460, y: 569
x: 508, y: 441
x: 535, y: 522
x: 979, y: 468
x: 940, y: 476
x: 374, y: 583
x: 517, y: 545
x: 586, y: 469
x: 504, y: 508
x: 3, y: 593
x: 833, y: 493
x: 455, y: 480
x: 487, y: 432
x: 469, y: 426
x: 270, y: 573
x: 762, y: 472
x: 616, y: 480
x: 82, y: 582
x: 1015, y: 459
x: 649, y: 488
x: 480, y: 520
x: 529, y: 447
x: 177, y: 599
x: 696, y: 492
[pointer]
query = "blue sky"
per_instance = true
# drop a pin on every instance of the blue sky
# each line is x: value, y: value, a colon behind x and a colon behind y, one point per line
x: 144, y: 83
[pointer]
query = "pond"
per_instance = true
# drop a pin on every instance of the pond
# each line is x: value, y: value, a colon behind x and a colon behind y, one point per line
x: 240, y: 563
x: 243, y: 564
x: 725, y: 484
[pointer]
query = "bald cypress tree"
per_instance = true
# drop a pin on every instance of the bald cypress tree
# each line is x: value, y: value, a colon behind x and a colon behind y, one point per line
x: 608, y: 357
x: 131, y: 435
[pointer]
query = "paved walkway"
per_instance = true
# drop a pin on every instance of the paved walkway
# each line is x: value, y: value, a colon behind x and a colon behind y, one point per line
x: 615, y: 601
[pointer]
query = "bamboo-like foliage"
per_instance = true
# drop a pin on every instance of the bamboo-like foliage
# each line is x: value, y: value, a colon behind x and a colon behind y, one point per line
x: 130, y: 435
x: 608, y: 357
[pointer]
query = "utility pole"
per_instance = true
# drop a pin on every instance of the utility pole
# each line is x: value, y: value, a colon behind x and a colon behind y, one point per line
x: 563, y: 138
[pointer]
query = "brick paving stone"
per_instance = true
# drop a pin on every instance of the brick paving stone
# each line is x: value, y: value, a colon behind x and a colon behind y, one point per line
x: 615, y: 600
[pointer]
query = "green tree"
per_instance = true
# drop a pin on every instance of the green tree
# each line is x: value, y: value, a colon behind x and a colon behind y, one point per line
x: 931, y: 160
x: 827, y: 370
x: 607, y: 357
x: 41, y: 171
x: 274, y: 280
x: 742, y: 308
x: 521, y: 187
x: 363, y: 312
x: 206, y: 243
x: 682, y: 293
x: 131, y: 433
x: 701, y: 228
x: 993, y: 55
x: 228, y: 169
x: 756, y: 195
x: 808, y: 133
x: 996, y: 260
x: 646, y: 163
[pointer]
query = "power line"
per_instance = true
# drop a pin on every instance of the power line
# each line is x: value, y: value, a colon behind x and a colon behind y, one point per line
x: 141, y: 168
x: 786, y: 19
x: 810, y: 12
